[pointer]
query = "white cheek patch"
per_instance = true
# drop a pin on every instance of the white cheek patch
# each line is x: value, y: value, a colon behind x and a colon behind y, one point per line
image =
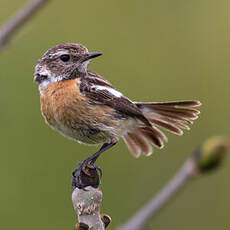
x: 45, y: 72
x: 85, y: 64
x: 45, y: 82
x: 51, y: 78
x: 110, y: 90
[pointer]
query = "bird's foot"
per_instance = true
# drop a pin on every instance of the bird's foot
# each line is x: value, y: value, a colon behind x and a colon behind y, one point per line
x: 86, y: 175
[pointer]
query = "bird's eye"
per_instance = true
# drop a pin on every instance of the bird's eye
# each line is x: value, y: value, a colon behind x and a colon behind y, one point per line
x: 65, y: 57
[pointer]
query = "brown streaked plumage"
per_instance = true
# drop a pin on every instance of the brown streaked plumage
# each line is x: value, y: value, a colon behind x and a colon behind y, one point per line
x: 81, y: 105
x: 63, y: 105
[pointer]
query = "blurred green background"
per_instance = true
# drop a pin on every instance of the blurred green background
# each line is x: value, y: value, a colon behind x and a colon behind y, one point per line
x: 154, y: 50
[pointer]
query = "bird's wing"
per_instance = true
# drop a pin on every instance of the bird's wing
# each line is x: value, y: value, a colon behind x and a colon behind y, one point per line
x: 101, y: 92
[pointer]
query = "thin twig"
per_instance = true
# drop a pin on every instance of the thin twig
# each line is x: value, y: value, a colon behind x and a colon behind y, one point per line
x: 207, y: 158
x: 18, y: 20
x: 139, y: 221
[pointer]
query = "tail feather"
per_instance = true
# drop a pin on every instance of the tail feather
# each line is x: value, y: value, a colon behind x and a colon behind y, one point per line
x: 171, y: 116
x: 142, y: 141
x: 168, y: 126
x: 188, y: 103
x: 180, y: 110
x: 175, y: 114
x: 182, y: 125
x: 153, y: 136
x: 177, y: 123
x: 133, y: 147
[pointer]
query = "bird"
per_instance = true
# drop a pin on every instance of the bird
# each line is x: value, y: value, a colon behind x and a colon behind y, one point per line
x: 83, y: 106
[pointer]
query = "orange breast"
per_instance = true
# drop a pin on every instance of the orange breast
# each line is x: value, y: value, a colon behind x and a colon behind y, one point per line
x: 67, y: 110
x: 62, y: 102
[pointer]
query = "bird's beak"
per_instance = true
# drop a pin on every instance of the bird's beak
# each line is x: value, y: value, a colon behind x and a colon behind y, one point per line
x: 38, y: 78
x: 89, y: 56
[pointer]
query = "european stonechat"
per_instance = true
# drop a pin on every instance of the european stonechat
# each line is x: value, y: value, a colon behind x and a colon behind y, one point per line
x: 83, y: 106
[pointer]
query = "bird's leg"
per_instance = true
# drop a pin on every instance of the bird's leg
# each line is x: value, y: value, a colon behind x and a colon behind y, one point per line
x: 87, y: 165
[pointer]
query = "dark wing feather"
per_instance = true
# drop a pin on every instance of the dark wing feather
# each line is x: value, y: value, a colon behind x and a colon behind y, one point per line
x: 95, y: 79
x: 89, y: 87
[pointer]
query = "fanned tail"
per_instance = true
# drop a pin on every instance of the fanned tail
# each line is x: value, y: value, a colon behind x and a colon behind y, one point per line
x: 171, y: 116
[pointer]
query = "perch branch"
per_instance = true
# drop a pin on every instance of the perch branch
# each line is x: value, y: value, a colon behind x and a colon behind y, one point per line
x: 87, y: 204
x: 87, y: 198
x: 18, y: 20
x: 207, y: 158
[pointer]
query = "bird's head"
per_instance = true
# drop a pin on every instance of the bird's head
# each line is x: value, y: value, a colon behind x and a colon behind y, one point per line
x: 62, y: 62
